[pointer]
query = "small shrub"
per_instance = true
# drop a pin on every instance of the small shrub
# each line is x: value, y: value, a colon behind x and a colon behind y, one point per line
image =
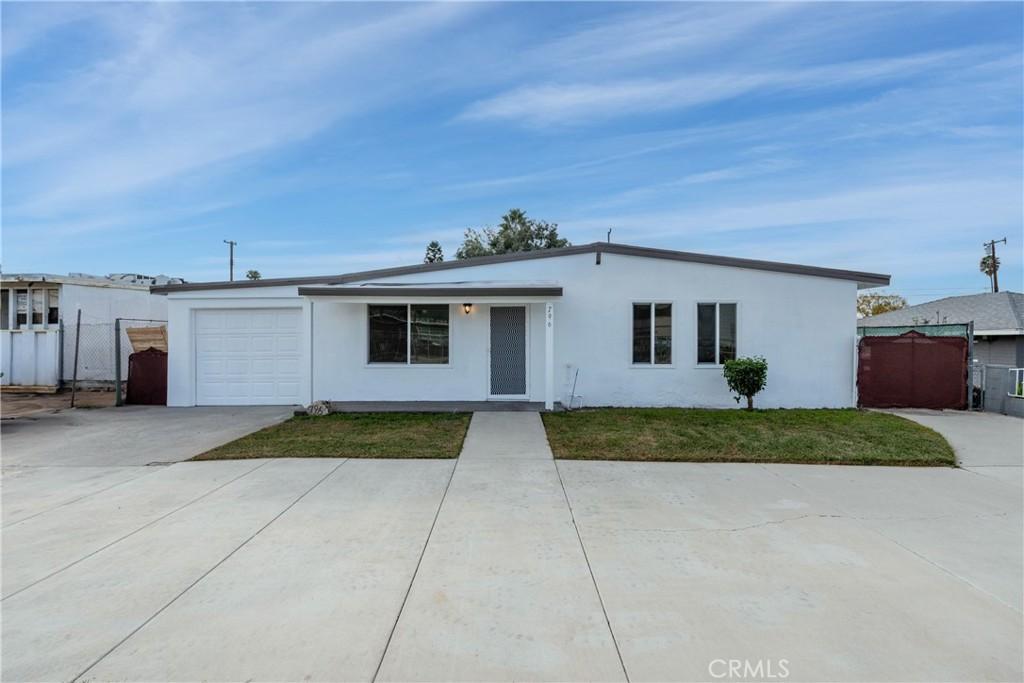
x: 746, y: 377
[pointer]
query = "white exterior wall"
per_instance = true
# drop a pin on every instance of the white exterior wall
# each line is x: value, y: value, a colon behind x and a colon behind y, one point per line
x: 341, y: 372
x: 30, y: 357
x: 803, y: 325
x: 103, y: 304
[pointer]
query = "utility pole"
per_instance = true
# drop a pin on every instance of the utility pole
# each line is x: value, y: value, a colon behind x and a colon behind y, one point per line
x: 990, y: 250
x: 231, y: 259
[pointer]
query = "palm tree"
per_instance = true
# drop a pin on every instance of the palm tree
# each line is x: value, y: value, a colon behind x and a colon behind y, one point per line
x: 990, y: 266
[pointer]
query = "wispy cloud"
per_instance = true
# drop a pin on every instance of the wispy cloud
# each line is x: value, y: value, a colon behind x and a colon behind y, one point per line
x: 176, y: 94
x: 567, y: 103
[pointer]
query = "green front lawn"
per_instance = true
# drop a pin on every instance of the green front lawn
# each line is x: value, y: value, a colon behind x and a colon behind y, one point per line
x: 353, y: 435
x: 847, y: 437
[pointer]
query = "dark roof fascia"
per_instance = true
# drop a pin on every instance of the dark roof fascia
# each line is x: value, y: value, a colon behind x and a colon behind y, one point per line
x: 873, y: 279
x: 753, y: 264
x: 406, y: 292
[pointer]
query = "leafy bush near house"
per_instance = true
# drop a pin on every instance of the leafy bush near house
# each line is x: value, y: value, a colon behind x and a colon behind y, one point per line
x: 746, y: 377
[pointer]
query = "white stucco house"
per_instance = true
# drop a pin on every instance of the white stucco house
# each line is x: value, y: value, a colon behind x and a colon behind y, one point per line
x: 644, y: 327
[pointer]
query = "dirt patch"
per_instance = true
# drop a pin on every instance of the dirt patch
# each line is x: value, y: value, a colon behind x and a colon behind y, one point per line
x: 21, y: 405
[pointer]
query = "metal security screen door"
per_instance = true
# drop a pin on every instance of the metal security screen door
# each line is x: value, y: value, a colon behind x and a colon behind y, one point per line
x: 508, y: 351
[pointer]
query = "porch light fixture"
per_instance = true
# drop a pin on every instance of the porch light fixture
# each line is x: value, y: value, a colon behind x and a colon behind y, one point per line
x: 467, y: 308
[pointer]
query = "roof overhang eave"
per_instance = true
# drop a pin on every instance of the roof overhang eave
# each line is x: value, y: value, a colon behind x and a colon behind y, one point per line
x: 434, y: 294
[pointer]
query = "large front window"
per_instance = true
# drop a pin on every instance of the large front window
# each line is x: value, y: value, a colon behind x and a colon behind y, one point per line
x: 409, y: 334
x: 652, y: 334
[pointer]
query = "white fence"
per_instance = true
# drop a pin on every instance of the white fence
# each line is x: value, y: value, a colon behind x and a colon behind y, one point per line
x: 30, y: 357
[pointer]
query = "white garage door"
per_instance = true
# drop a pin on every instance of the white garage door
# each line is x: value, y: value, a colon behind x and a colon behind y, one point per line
x: 248, y: 356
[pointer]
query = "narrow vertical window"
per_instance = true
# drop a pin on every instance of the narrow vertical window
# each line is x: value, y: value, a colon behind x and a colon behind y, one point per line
x: 726, y: 332
x: 21, y: 310
x: 716, y: 333
x: 53, y: 307
x: 652, y: 333
x: 705, y: 333
x: 5, y: 309
x: 641, y: 333
x: 663, y: 333
x: 37, y: 306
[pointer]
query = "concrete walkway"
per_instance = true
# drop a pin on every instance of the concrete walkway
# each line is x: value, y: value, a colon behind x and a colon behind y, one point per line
x: 504, y: 590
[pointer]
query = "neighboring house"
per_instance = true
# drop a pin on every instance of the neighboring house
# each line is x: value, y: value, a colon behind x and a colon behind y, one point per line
x: 644, y: 327
x: 34, y: 305
x: 998, y: 323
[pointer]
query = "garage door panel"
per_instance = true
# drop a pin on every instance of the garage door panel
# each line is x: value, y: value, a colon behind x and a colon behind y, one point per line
x: 288, y: 366
x: 209, y: 324
x: 208, y: 343
x: 262, y: 389
x: 248, y: 357
x: 234, y: 343
x: 263, y: 343
x: 211, y: 366
x: 264, y: 366
x: 288, y: 389
x: 238, y: 366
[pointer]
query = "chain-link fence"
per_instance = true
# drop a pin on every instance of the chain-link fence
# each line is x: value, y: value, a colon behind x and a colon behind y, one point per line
x: 98, y: 350
x: 95, y: 342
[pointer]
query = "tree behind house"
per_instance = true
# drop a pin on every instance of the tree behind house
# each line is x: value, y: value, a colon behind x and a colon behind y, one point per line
x: 876, y: 304
x: 516, y: 232
x: 253, y: 275
x: 434, y: 253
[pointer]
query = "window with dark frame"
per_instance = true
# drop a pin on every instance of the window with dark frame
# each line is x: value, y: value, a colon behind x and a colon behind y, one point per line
x: 53, y: 307
x: 716, y: 333
x: 652, y: 333
x: 408, y: 334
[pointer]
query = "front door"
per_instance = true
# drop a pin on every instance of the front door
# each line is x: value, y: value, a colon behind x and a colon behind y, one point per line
x: 508, y: 352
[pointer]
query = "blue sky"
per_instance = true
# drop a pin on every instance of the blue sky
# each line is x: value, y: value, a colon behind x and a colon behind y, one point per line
x: 331, y: 137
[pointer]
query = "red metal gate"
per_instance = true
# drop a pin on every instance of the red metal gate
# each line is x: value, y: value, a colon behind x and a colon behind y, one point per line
x: 147, y: 378
x: 912, y: 371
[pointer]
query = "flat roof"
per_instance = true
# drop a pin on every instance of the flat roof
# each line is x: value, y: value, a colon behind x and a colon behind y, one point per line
x: 863, y: 279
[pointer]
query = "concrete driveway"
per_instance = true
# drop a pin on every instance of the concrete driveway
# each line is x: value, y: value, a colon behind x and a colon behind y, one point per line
x: 508, y: 565
x: 130, y: 435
